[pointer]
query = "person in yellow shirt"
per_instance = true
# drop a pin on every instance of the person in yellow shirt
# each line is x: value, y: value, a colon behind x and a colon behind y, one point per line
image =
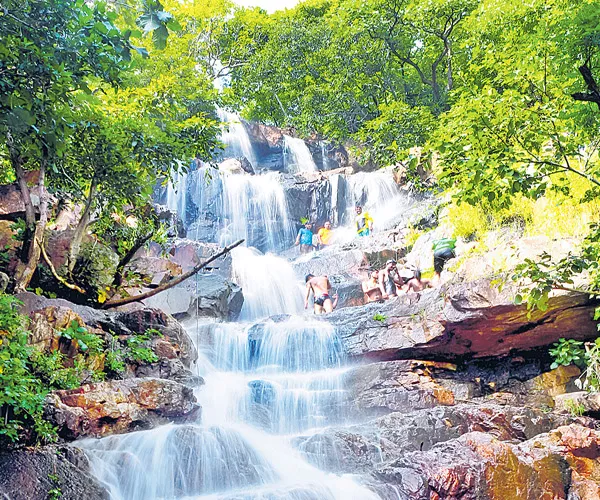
x: 324, y: 235
x: 364, y: 222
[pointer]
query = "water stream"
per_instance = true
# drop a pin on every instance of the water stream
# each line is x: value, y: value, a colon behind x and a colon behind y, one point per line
x: 275, y: 374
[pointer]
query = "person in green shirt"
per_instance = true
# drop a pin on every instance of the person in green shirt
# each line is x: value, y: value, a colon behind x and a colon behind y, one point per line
x: 443, y: 251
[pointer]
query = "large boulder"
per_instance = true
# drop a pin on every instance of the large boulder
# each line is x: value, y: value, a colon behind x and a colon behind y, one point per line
x: 172, y: 344
x: 397, y: 386
x: 361, y: 448
x: 458, y: 321
x: 205, y: 295
x: 31, y: 474
x: 562, y: 464
x: 119, y: 406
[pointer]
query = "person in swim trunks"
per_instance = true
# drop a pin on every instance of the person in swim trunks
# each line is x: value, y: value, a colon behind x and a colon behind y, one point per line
x: 389, y: 280
x: 320, y: 287
x: 305, y: 239
x: 417, y: 284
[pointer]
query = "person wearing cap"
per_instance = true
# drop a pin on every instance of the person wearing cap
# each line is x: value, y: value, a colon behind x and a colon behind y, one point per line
x: 364, y: 222
x: 390, y: 280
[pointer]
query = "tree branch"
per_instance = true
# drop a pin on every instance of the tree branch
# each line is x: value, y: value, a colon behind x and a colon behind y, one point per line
x: 58, y: 277
x: 594, y: 91
x: 170, y: 283
x: 128, y: 256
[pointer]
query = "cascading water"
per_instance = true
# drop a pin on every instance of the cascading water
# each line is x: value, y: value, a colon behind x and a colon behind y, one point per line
x: 296, y: 156
x: 235, y: 137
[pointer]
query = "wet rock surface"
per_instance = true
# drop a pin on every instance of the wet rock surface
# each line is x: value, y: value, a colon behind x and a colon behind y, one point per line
x: 460, y: 320
x: 207, y: 295
x: 33, y: 474
x: 119, y: 406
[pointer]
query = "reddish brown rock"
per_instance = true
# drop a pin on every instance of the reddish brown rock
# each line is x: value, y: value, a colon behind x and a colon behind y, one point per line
x: 120, y: 406
x: 562, y: 464
x: 461, y: 320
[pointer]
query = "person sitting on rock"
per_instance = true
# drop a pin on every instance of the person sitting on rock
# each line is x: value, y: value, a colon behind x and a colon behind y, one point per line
x: 371, y: 289
x: 305, y: 238
x: 324, y: 235
x: 320, y: 287
x: 443, y: 251
x: 417, y: 284
x: 364, y: 222
x: 390, y: 280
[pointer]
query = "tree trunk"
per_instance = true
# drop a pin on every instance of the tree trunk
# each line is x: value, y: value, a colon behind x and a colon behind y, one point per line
x: 81, y: 228
x: 28, y: 265
x: 171, y: 283
x: 450, y: 78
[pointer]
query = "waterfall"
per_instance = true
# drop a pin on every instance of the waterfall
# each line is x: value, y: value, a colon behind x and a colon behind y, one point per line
x: 269, y: 284
x: 296, y: 156
x: 263, y: 386
x: 230, y: 207
x: 235, y: 137
x: 177, y: 194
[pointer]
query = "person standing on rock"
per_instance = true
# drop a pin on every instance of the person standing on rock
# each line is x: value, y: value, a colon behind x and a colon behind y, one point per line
x: 364, y: 222
x: 371, y: 289
x: 320, y: 287
x: 324, y: 235
x: 305, y: 238
x: 390, y: 280
x: 443, y: 251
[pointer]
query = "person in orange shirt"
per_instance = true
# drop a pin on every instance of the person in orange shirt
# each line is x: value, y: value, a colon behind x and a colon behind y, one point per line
x: 324, y: 235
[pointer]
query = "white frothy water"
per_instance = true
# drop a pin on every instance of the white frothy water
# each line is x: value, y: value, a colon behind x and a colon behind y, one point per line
x: 296, y: 156
x: 240, y: 206
x: 177, y: 194
x: 263, y: 384
x: 268, y: 282
x: 235, y: 137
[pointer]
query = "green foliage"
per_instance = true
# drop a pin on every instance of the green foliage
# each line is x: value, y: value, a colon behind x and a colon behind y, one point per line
x: 574, y: 408
x: 585, y: 356
x: 114, y: 362
x: 137, y: 350
x: 379, y: 317
x: 55, y: 493
x: 21, y: 393
x: 86, y: 342
x: 566, y: 352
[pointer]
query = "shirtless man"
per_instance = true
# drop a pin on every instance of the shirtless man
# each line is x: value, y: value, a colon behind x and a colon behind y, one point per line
x: 371, y: 287
x: 389, y: 280
x: 320, y: 287
x: 417, y: 284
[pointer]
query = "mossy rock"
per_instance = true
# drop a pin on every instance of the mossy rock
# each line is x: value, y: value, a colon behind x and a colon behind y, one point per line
x: 95, y: 268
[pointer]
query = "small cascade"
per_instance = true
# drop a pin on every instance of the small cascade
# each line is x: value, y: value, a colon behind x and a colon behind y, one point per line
x: 296, y: 156
x: 230, y: 207
x: 378, y: 194
x: 176, y: 200
x: 235, y: 137
x: 269, y: 284
x: 264, y: 384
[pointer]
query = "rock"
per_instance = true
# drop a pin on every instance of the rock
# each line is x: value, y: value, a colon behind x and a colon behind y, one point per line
x: 363, y: 447
x: 233, y: 166
x: 581, y: 403
x: 30, y: 474
x: 154, y: 270
x: 333, y: 263
x: 460, y: 320
x: 4, y: 281
x: 48, y: 315
x: 11, y: 203
x: 477, y: 466
x: 119, y: 406
x: 397, y: 386
x: 207, y: 295
x: 175, y: 224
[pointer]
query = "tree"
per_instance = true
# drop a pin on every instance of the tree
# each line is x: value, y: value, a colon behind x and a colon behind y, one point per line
x: 50, y: 50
